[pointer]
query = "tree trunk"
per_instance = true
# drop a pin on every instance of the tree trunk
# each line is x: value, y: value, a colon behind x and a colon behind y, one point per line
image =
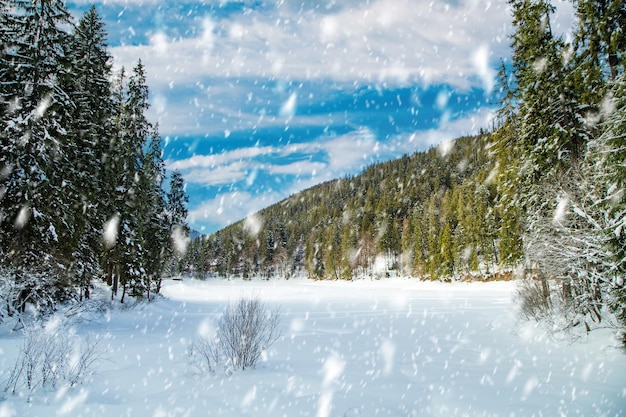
x: 123, y: 293
x: 116, y: 279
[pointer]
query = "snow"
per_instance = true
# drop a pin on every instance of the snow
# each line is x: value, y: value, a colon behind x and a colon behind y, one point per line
x: 111, y: 228
x: 393, y: 347
x: 288, y: 109
x: 22, y: 217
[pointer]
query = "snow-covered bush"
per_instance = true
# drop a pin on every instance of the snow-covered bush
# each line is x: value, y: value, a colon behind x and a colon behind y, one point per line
x: 40, y: 287
x: 53, y: 354
x: 246, y: 329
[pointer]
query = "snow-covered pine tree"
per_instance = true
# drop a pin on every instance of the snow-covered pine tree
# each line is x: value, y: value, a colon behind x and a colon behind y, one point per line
x: 601, y: 38
x: 133, y: 132
x: 34, y: 153
x: 154, y: 222
x: 606, y: 169
x: 545, y: 137
x: 177, y: 200
x: 88, y: 85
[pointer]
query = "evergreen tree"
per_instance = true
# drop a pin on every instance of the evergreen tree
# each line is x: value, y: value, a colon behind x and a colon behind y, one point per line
x: 177, y: 200
x: 77, y: 153
x: 606, y: 207
x: 35, y: 152
x: 88, y: 85
x: 561, y: 156
x: 124, y: 164
x: 601, y: 40
x: 177, y: 211
x: 154, y: 223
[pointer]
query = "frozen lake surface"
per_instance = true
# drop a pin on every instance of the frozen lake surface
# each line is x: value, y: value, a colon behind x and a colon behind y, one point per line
x: 368, y: 348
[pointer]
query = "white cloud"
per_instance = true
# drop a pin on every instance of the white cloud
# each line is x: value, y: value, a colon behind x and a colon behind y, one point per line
x: 353, y: 150
x: 391, y: 41
x: 219, y: 175
x: 223, y: 158
x: 301, y: 168
x: 229, y: 208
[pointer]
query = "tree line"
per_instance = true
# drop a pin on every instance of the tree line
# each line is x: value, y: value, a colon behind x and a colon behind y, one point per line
x: 83, y: 193
x: 542, y: 192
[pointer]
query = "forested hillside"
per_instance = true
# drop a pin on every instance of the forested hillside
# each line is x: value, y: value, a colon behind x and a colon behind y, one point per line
x: 82, y: 192
x: 433, y: 213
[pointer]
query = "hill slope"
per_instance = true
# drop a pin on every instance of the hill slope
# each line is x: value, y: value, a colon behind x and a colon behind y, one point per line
x: 432, y: 214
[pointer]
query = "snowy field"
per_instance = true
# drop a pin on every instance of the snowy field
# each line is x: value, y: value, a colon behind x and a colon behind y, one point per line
x: 368, y: 348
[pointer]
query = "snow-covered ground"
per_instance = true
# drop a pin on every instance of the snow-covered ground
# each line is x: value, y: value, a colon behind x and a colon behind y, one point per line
x: 368, y: 348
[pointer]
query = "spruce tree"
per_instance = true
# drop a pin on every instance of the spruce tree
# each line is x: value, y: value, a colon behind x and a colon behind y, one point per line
x: 131, y: 132
x: 36, y: 151
x: 601, y: 40
x: 89, y: 87
x: 153, y: 220
x: 605, y: 210
x: 177, y: 200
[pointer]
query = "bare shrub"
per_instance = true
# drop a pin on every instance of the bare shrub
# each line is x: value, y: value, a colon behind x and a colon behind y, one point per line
x: 50, y: 355
x: 533, y: 299
x: 203, y: 355
x: 83, y: 359
x: 246, y: 329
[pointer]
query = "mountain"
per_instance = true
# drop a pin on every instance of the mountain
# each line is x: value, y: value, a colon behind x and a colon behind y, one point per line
x: 433, y: 214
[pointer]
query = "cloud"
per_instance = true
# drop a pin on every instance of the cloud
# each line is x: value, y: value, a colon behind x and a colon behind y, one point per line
x: 387, y: 41
x: 219, y: 159
x: 301, y: 168
x: 228, y: 208
x: 223, y: 174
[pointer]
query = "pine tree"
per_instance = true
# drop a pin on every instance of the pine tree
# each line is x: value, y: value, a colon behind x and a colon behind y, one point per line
x: 564, y: 136
x: 36, y: 148
x: 123, y: 167
x: 606, y: 208
x: 154, y: 223
x: 601, y: 39
x: 8, y: 26
x: 177, y: 200
x: 89, y: 87
x: 446, y: 254
x: 545, y: 137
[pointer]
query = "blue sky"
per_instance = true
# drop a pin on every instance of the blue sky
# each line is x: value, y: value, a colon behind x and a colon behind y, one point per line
x: 257, y: 99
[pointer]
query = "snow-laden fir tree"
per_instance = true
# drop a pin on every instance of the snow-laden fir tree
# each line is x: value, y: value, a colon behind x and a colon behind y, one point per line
x: 35, y: 148
x: 88, y: 85
x: 177, y: 200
